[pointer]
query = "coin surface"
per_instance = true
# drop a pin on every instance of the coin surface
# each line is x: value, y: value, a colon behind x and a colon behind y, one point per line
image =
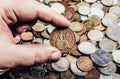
x: 75, y: 69
x: 63, y: 39
x: 100, y: 58
x: 93, y: 74
x: 38, y: 27
x: 107, y: 45
x: 109, y: 69
x: 95, y: 35
x: 102, y: 76
x: 116, y: 56
x: 67, y: 75
x: 84, y: 63
x: 86, y: 48
x: 26, y: 36
x: 113, y: 33
x: 74, y: 51
x: 61, y: 65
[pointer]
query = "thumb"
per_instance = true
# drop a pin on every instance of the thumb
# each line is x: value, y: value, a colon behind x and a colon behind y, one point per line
x: 30, y: 54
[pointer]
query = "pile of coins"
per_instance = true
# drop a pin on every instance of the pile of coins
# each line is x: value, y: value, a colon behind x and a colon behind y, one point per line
x: 90, y: 47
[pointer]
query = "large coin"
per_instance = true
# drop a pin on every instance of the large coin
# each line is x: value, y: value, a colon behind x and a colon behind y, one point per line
x: 108, y: 70
x: 116, y: 56
x: 63, y: 39
x: 100, y: 58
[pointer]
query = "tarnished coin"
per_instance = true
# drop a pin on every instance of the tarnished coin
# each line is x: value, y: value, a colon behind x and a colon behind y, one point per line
x: 45, y: 34
x: 67, y: 75
x: 58, y: 7
x: 83, y: 38
x: 116, y: 56
x: 77, y: 17
x: 75, y: 69
x: 38, y: 27
x: 96, y: 19
x: 113, y: 33
x: 63, y: 39
x: 100, y: 58
x: 95, y: 35
x: 109, y: 69
x: 86, y: 48
x: 102, y: 76
x: 107, y: 45
x: 76, y: 26
x: 84, y: 63
x: 74, y: 51
x: 93, y: 74
x: 61, y: 65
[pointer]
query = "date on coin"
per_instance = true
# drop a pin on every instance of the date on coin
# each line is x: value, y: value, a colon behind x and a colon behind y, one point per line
x: 63, y: 39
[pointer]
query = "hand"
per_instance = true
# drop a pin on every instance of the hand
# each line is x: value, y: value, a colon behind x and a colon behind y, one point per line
x: 13, y: 11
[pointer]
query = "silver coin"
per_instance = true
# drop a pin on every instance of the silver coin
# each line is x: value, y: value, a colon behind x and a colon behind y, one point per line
x: 116, y: 56
x: 37, y: 40
x: 116, y: 76
x: 115, y: 9
x: 84, y: 10
x: 107, y: 3
x: 108, y: 70
x: 95, y: 35
x: 107, y: 45
x: 113, y: 33
x: 50, y: 28
x: 100, y: 58
x: 61, y: 65
x: 75, y: 69
x: 86, y: 48
x: 105, y: 77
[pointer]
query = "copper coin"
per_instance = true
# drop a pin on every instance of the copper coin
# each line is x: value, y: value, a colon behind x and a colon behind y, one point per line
x: 83, y: 38
x: 63, y: 39
x: 84, y: 63
x: 52, y: 75
x: 74, y: 51
x: 93, y: 74
x: 67, y: 75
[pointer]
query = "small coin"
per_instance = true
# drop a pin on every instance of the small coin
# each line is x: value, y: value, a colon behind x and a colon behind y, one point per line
x: 116, y: 56
x: 115, y: 9
x: 89, y: 24
x: 74, y: 51
x: 100, y: 58
x: 77, y: 17
x: 113, y: 33
x: 93, y: 74
x: 102, y: 76
x: 50, y: 28
x: 17, y: 39
x: 38, y: 27
x: 61, y: 65
x: 63, y: 39
x: 100, y: 27
x: 107, y: 45
x: 26, y: 36
x: 76, y: 26
x: 45, y: 34
x: 75, y: 69
x: 86, y: 48
x: 95, y: 35
x: 67, y: 75
x: 83, y: 38
x: 109, y: 69
x: 96, y: 19
x: 84, y: 10
x: 84, y: 63
x: 58, y: 7
x: 105, y: 2
x: 97, y: 5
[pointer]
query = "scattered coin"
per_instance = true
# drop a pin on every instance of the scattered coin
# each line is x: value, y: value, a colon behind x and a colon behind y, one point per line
x: 86, y: 48
x: 95, y: 35
x: 61, y: 65
x: 97, y: 5
x: 84, y: 63
x: 107, y: 45
x: 93, y: 74
x: 38, y: 27
x: 45, y: 34
x: 83, y: 38
x: 67, y: 75
x: 96, y: 19
x: 100, y: 58
x: 84, y: 10
x: 109, y: 69
x: 63, y: 39
x: 74, y: 51
x: 105, y: 2
x: 116, y: 56
x: 113, y: 33
x: 115, y: 9
x: 26, y: 36
x: 75, y: 70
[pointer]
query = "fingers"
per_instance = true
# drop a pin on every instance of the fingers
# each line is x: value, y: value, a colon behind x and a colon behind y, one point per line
x: 31, y: 54
x: 48, y: 14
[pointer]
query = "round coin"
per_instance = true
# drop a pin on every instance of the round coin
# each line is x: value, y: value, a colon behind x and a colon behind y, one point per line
x: 61, y: 65
x: 107, y: 3
x: 100, y: 58
x: 109, y: 69
x: 116, y: 56
x: 67, y: 75
x: 74, y: 51
x: 113, y: 33
x: 86, y: 48
x: 63, y: 39
x: 95, y: 35
x: 84, y: 63
x: 102, y: 76
x: 75, y: 69
x: 107, y: 45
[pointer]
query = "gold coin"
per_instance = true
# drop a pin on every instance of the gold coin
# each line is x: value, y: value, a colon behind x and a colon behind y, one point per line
x: 38, y: 27
x: 63, y: 39
x: 89, y: 24
x: 45, y: 34
x: 77, y: 17
x: 76, y: 26
x: 96, y: 19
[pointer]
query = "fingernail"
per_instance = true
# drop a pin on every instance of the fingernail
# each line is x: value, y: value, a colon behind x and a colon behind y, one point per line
x: 56, y: 55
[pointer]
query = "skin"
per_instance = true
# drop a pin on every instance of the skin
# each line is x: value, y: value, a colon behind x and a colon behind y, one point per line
x: 14, y: 11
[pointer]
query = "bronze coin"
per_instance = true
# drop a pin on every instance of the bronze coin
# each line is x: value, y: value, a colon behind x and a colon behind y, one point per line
x: 74, y: 51
x: 83, y: 38
x: 52, y: 75
x: 63, y: 39
x: 84, y: 63
x: 67, y: 75
x: 93, y: 74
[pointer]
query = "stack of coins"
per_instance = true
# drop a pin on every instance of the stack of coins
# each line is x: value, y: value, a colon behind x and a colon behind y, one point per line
x: 90, y: 47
